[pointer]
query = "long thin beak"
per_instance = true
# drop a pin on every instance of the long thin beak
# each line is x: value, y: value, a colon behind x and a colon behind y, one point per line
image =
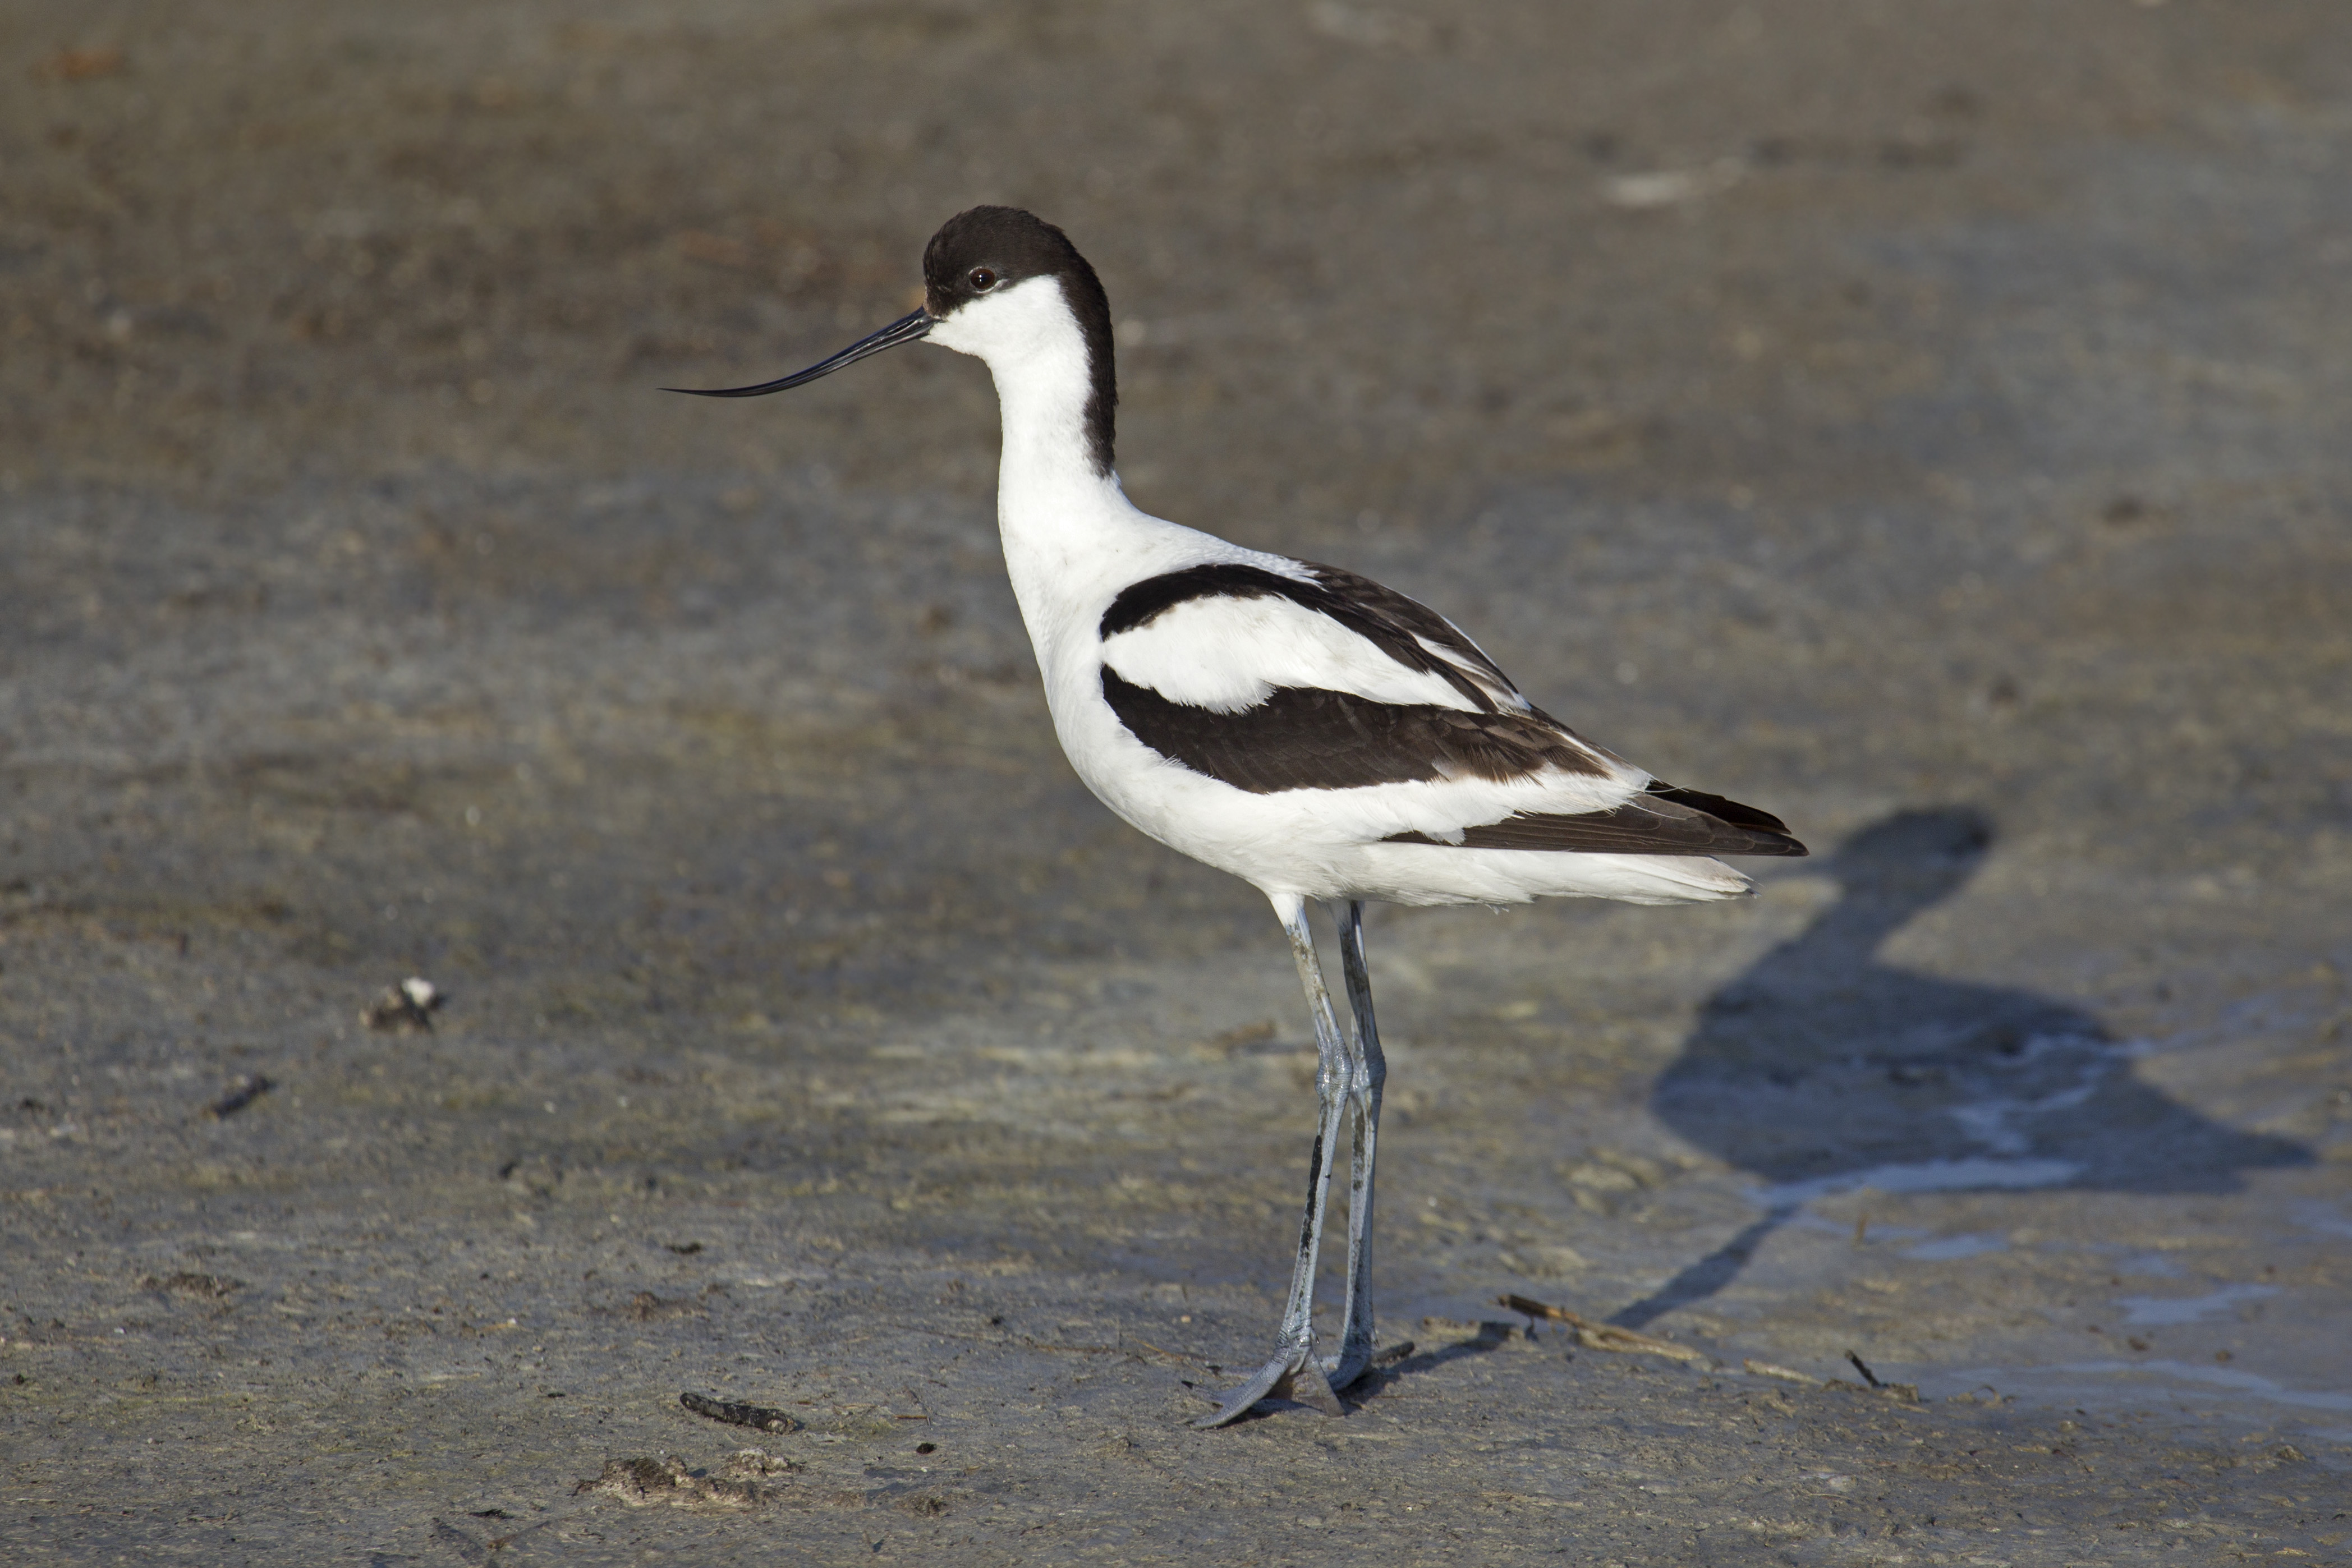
x: 905, y: 329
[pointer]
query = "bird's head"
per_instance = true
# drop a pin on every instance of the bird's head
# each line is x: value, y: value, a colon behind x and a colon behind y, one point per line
x: 1010, y: 289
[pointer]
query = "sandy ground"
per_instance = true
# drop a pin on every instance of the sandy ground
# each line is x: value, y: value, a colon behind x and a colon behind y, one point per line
x: 1925, y: 422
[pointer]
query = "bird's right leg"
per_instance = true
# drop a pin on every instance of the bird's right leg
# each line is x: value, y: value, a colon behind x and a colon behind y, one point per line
x: 1293, y: 1373
x: 1367, y: 1072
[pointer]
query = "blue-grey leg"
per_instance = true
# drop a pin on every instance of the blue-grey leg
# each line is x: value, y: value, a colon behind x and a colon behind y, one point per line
x: 1293, y: 1372
x: 1367, y: 1070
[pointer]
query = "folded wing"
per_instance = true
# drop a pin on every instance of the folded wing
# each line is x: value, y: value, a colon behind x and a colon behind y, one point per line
x: 1272, y: 675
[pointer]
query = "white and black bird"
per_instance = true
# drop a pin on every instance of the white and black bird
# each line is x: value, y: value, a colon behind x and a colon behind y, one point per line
x: 1313, y: 732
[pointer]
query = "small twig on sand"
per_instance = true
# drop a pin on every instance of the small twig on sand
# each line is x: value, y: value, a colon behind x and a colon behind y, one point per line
x: 1901, y: 1393
x: 758, y: 1416
x: 241, y: 1093
x: 1601, y: 1336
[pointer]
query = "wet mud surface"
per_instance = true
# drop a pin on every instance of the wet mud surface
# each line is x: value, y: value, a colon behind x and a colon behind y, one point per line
x: 1924, y: 423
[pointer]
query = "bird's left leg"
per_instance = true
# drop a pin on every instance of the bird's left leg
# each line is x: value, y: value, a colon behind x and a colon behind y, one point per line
x: 1294, y: 1372
x: 1367, y: 1070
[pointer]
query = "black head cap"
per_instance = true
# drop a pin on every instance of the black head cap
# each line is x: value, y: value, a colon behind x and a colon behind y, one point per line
x: 985, y: 249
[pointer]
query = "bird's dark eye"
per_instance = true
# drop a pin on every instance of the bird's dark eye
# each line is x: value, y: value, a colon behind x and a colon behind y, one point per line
x: 980, y: 279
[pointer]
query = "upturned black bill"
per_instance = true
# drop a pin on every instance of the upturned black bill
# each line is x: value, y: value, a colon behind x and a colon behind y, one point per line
x: 905, y: 329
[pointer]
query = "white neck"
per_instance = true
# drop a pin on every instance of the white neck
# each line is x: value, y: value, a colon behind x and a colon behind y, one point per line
x: 1047, y: 465
x: 1058, y: 516
x: 1033, y: 344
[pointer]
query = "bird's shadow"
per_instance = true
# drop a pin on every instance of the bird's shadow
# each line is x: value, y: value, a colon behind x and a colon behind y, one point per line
x: 1490, y: 1337
x: 1822, y: 1067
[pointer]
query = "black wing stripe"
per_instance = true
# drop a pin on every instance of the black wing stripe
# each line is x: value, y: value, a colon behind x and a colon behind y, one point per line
x: 1301, y: 739
x: 1652, y: 824
x: 1379, y: 601
x: 1141, y: 603
x: 1388, y: 619
x: 1731, y: 812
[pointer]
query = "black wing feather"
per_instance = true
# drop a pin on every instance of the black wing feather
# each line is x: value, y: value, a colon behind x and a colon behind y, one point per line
x: 1303, y: 739
x: 1731, y: 812
x: 1659, y: 821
